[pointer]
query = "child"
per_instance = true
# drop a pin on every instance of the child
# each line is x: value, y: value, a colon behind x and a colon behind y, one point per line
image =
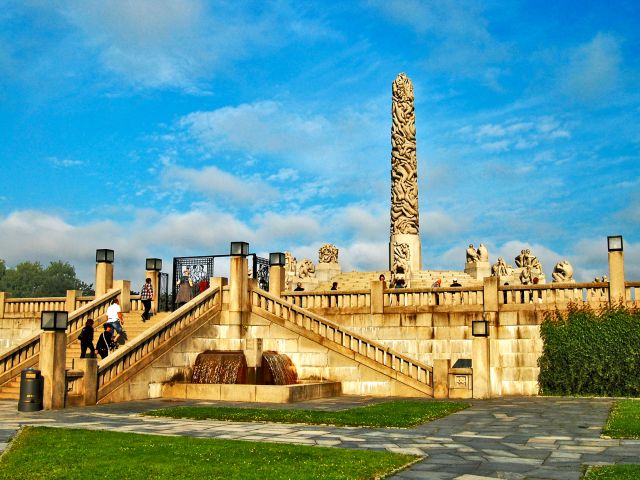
x: 86, y: 340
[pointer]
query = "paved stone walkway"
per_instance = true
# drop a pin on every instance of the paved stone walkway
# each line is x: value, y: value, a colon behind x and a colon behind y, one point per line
x: 520, y: 438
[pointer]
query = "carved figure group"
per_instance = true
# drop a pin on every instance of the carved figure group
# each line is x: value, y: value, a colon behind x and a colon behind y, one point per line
x: 328, y: 254
x: 306, y: 269
x: 501, y: 268
x: 563, y: 272
x: 401, y: 268
x: 479, y: 255
x: 404, y: 167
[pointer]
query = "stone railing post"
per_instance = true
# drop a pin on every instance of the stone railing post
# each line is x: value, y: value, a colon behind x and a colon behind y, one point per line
x: 617, y: 291
x: 125, y: 294
x: 377, y: 297
x: 89, y: 388
x: 104, y: 278
x: 276, y: 280
x: 441, y: 378
x: 53, y: 358
x: 70, y: 302
x: 238, y: 290
x: 486, y: 381
x: 3, y: 297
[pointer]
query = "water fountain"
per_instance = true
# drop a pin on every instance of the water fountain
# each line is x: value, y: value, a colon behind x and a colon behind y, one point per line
x: 222, y: 375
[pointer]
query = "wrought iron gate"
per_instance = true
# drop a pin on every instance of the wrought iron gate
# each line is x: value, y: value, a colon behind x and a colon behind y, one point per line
x: 164, y: 302
x: 201, y: 268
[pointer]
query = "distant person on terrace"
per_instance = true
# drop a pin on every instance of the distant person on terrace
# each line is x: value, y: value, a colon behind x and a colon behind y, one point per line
x: 146, y: 295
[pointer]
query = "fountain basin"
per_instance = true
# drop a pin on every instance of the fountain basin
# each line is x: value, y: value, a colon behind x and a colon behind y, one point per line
x: 251, y: 393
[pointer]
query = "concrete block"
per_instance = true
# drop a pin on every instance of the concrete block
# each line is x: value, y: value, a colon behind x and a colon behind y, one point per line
x: 238, y: 393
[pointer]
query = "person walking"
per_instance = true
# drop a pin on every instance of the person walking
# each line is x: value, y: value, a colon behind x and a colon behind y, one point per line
x: 105, y: 345
x: 146, y: 295
x: 86, y: 340
x: 114, y: 318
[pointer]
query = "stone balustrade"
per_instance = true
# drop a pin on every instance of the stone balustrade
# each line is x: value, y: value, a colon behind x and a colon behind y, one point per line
x: 555, y: 294
x: 330, y: 299
x: 26, y: 353
x: 399, y: 363
x: 140, y: 352
x: 22, y: 306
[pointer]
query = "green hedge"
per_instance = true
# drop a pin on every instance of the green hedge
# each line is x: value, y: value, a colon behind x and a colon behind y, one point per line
x: 590, y: 353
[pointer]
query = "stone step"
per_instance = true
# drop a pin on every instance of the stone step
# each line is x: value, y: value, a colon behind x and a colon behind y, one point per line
x: 133, y: 325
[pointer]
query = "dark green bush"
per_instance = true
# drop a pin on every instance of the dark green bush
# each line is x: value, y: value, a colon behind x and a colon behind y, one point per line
x: 591, y: 353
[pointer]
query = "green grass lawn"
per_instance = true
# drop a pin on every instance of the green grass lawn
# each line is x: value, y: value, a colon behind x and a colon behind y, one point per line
x: 613, y: 472
x: 56, y: 453
x: 624, y: 420
x: 401, y: 413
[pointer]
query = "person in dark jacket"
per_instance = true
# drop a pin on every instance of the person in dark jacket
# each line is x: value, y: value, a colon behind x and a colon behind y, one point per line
x: 86, y: 340
x: 105, y: 342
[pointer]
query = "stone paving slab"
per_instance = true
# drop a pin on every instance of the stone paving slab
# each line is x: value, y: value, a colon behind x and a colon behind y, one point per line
x: 518, y: 438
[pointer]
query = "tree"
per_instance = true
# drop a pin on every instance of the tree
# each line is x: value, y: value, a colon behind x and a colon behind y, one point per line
x: 31, y: 279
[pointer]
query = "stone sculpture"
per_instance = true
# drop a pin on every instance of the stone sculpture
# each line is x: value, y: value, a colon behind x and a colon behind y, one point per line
x: 401, y: 270
x: 527, y: 260
x: 483, y: 253
x: 563, y: 272
x: 404, y: 166
x: 501, y: 268
x: 306, y: 269
x: 472, y: 254
x: 328, y: 254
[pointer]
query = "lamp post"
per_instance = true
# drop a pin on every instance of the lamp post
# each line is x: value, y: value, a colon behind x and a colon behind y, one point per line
x: 277, y: 261
x: 615, y: 247
x: 239, y: 285
x: 104, y: 271
x: 480, y: 328
x: 239, y: 248
x: 53, y: 352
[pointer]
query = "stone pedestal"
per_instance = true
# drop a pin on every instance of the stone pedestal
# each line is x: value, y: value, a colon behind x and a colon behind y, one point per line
x: 477, y: 270
x: 326, y: 271
x: 441, y: 378
x: 53, y: 358
x: 616, y: 277
x: 70, y: 301
x: 104, y: 278
x: 89, y: 389
x: 414, y: 246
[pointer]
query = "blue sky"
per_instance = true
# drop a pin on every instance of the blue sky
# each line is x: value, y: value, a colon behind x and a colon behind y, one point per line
x: 169, y: 128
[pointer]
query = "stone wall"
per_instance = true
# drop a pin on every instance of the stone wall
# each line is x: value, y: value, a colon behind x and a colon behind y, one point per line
x: 14, y: 330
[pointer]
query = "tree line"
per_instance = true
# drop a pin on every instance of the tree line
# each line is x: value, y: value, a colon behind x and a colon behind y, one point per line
x: 32, y: 279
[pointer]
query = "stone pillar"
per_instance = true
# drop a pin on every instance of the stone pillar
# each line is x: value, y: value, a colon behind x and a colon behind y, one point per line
x: 480, y: 365
x: 104, y: 278
x: 377, y: 297
x: 53, y: 358
x: 276, y: 279
x: 616, y: 277
x: 238, y: 290
x: 154, y: 275
x: 441, y: 378
x: 89, y: 380
x: 253, y: 355
x: 405, y: 224
x: 125, y: 296
x: 70, y: 302
x: 3, y: 297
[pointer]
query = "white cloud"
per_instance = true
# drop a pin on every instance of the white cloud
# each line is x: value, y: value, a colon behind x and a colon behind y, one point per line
x: 335, y: 144
x: 594, y: 68
x: 64, y: 162
x: 216, y: 183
